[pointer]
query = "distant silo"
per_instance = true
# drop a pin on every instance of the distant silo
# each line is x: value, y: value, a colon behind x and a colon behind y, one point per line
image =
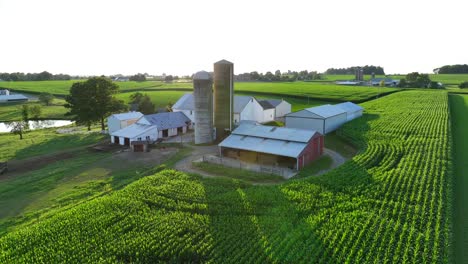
x: 203, y: 99
x: 223, y: 97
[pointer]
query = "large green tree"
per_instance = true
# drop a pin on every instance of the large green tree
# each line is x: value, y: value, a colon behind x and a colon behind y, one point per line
x: 91, y: 101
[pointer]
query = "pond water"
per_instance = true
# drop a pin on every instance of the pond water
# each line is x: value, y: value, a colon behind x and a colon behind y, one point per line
x: 38, y: 124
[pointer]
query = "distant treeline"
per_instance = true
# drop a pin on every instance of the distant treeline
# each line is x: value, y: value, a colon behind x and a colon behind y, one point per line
x: 368, y: 69
x: 452, y: 69
x: 278, y: 76
x: 42, y: 76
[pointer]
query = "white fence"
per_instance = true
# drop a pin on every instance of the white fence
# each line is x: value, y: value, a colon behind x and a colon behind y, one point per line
x: 233, y: 163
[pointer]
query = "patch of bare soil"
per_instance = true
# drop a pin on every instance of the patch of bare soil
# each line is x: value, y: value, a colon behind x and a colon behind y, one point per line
x: 17, y: 167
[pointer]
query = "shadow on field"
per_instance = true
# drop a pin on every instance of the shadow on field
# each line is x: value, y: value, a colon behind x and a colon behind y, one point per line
x: 258, y: 224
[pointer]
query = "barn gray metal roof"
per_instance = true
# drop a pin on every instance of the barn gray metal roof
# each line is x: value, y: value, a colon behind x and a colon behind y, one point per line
x: 186, y: 102
x: 326, y: 111
x: 168, y: 120
x: 266, y: 105
x: 128, y: 115
x: 13, y: 97
x: 133, y: 130
x: 269, y: 146
x: 274, y: 102
x: 272, y: 132
x: 349, y: 107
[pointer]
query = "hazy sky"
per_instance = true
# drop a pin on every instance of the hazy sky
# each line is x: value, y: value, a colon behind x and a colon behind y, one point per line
x: 89, y: 37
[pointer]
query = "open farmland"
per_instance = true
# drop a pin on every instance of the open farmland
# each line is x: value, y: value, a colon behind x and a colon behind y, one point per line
x: 62, y: 88
x: 12, y: 111
x: 42, y: 141
x: 459, y: 109
x: 321, y: 91
x: 390, y: 203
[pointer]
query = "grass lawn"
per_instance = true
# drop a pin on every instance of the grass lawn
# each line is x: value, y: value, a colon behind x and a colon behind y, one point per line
x: 11, y: 111
x: 459, y: 111
x: 245, y: 175
x: 42, y: 141
x: 159, y: 98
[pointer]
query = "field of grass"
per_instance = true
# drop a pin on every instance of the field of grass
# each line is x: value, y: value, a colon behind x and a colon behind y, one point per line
x: 11, y: 111
x: 233, y: 173
x: 389, y: 204
x: 459, y: 111
x: 159, y: 98
x: 42, y: 141
x: 317, y: 91
x: 63, y: 87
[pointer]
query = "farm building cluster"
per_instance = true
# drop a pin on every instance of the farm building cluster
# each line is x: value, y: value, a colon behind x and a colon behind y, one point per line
x: 7, y: 97
x: 217, y: 115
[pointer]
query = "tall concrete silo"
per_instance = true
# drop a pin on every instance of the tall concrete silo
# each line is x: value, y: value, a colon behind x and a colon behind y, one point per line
x: 203, y: 99
x: 223, y: 97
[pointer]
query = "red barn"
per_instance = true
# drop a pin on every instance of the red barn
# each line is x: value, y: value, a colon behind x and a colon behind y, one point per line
x: 277, y: 146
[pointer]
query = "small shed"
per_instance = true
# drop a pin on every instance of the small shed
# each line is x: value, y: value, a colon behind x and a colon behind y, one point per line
x: 282, y: 107
x: 324, y: 118
x: 118, y: 121
x: 353, y: 111
x: 273, y: 146
x: 140, y: 145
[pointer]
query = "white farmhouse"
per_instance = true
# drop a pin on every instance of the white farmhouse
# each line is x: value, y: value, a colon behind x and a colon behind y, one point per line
x: 282, y: 107
x: 186, y: 105
x: 118, y: 121
x: 352, y: 110
x: 324, y: 118
x: 245, y: 108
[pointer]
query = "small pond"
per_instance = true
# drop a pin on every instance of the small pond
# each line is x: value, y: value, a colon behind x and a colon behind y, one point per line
x: 38, y: 124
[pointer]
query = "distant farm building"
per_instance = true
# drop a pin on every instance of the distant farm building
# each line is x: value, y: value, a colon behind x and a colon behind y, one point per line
x: 245, y: 108
x: 6, y: 96
x: 324, y: 118
x: 118, y: 121
x: 274, y: 146
x: 150, y: 128
x: 353, y: 111
x: 385, y: 81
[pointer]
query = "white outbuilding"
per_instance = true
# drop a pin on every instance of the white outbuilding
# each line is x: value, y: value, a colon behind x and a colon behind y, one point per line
x: 150, y: 128
x: 245, y: 108
x: 282, y: 107
x: 119, y: 121
x: 353, y: 111
x: 324, y: 118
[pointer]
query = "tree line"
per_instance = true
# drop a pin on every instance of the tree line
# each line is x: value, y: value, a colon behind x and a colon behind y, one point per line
x: 452, y: 69
x: 368, y: 69
x: 278, y: 76
x: 42, y: 76
x: 418, y: 80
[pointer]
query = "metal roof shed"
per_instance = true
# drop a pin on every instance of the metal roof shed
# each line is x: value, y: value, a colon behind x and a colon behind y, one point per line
x: 324, y: 118
x: 353, y: 111
x: 273, y: 145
